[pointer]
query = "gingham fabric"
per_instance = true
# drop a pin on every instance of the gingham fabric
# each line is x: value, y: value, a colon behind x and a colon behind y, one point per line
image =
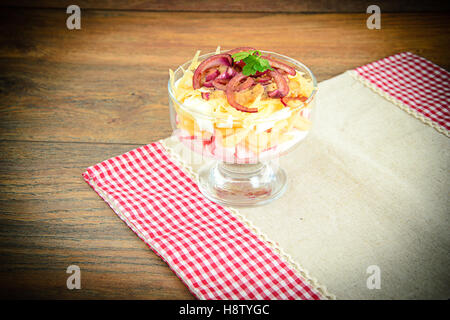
x: 416, y: 82
x: 215, y: 254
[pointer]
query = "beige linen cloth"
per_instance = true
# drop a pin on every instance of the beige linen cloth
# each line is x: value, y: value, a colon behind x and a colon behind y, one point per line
x: 368, y: 187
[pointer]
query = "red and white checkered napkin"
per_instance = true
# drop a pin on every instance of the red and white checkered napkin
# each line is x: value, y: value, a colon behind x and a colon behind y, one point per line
x: 416, y: 82
x: 213, y: 252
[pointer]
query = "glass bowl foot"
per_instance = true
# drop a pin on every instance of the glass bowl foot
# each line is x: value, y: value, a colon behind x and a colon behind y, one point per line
x: 242, y: 185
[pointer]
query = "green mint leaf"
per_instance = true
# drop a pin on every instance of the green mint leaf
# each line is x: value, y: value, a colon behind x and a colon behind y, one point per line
x: 248, y: 70
x: 264, y: 63
x: 260, y: 67
x: 253, y: 62
x: 238, y: 56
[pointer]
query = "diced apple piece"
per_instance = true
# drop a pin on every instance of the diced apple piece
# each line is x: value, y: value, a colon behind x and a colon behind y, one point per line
x: 187, y: 124
x: 230, y: 137
x: 257, y: 142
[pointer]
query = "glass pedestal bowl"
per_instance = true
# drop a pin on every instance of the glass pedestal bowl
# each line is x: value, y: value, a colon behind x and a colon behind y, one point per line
x: 245, y: 170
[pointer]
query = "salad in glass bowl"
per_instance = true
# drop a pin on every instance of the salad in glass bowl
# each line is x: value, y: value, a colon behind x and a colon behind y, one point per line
x: 244, y: 108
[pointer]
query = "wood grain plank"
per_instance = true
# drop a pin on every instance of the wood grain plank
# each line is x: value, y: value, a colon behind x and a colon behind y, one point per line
x: 50, y: 219
x: 107, y: 82
x: 286, y: 6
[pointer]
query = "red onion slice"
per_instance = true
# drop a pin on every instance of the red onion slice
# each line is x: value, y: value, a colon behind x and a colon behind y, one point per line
x: 259, y: 73
x: 227, y: 74
x: 205, y: 95
x: 263, y: 80
x: 246, y: 84
x: 211, y: 62
x: 232, y: 86
x: 231, y: 72
x: 282, y: 85
x: 219, y: 84
x: 208, y: 84
x: 212, y: 74
x: 222, y: 84
x: 285, y: 100
x: 280, y: 65
x: 239, y: 65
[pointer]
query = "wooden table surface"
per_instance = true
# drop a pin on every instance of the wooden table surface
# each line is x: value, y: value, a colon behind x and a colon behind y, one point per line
x: 72, y: 98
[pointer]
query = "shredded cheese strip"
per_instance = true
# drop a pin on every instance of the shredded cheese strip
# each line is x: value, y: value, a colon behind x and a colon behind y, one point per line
x: 194, y: 63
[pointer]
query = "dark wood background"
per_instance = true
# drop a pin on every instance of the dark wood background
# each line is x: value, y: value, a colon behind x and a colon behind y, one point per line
x: 72, y: 98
